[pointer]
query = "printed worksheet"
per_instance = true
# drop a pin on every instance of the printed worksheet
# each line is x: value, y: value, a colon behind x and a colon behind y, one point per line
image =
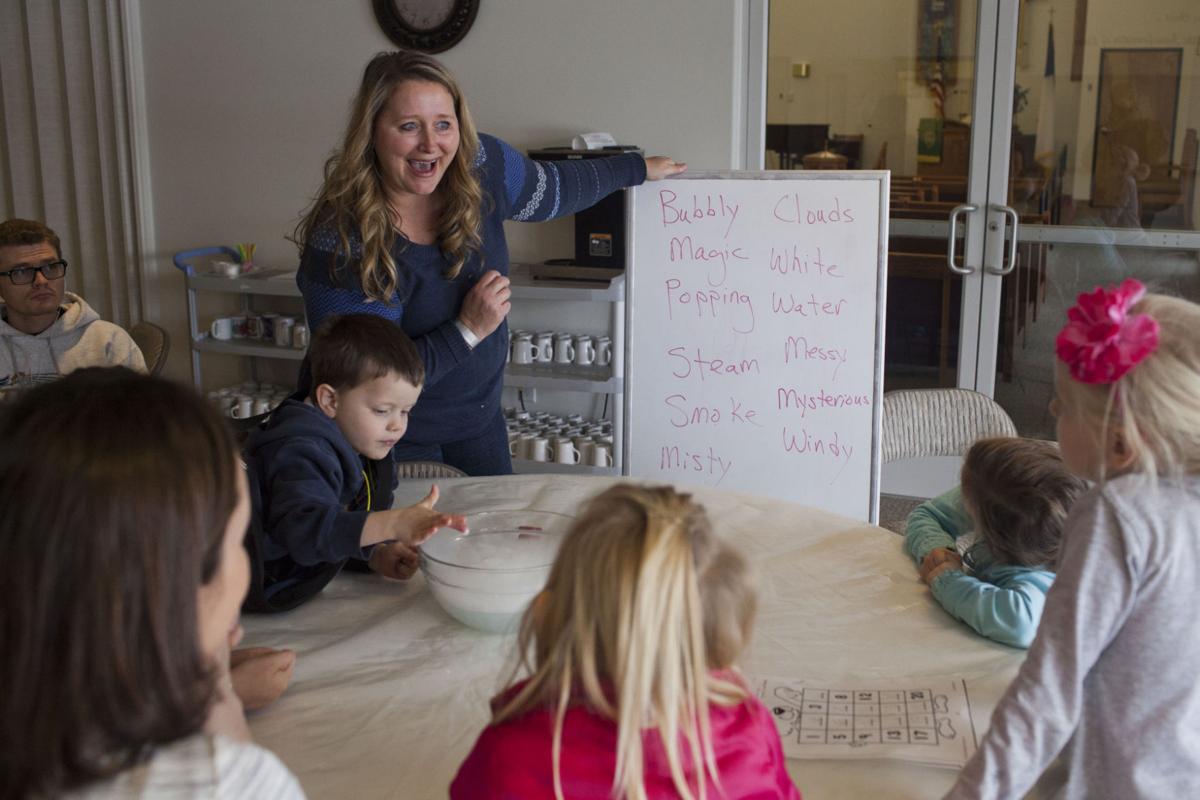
x: 924, y: 721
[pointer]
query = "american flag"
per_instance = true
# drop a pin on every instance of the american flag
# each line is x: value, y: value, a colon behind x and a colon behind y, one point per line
x: 937, y: 80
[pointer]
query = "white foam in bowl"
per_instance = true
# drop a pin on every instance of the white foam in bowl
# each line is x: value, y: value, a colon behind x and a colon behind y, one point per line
x: 487, y: 578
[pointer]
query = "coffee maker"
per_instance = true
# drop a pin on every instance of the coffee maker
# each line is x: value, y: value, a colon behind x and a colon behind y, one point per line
x: 599, y: 230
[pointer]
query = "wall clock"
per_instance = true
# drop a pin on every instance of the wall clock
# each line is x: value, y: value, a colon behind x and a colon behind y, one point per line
x: 430, y: 26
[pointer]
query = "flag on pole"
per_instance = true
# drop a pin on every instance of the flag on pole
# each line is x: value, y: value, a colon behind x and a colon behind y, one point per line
x: 937, y: 80
x: 1043, y: 148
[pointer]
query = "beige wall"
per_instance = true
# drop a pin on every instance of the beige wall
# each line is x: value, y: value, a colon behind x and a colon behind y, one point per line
x: 862, y: 69
x: 863, y: 72
x: 246, y: 100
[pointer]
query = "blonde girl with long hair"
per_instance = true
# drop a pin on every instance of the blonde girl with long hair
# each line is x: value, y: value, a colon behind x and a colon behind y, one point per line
x: 630, y: 652
x: 1111, y: 676
x: 408, y: 224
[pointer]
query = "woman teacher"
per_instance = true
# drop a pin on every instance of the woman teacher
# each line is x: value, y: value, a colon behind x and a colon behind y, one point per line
x: 409, y: 225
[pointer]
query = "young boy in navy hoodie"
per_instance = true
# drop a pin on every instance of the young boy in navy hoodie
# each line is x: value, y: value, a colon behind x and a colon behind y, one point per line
x: 321, y: 471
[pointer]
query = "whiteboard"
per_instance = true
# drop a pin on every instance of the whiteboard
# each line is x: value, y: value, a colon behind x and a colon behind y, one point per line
x: 754, y: 334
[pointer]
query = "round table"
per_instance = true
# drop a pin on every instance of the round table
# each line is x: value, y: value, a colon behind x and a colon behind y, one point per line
x: 390, y: 692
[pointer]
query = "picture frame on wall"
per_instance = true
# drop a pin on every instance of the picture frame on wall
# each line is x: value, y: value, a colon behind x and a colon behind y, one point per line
x: 929, y: 141
x: 1137, y: 108
x: 937, y: 39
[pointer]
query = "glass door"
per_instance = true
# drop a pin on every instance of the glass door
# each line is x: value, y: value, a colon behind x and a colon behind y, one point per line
x: 1096, y: 163
x: 1037, y: 148
x: 899, y: 86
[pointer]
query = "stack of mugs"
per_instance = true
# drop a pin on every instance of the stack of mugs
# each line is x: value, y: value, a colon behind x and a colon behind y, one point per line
x: 568, y: 352
x: 280, y: 329
x: 250, y: 399
x: 569, y: 440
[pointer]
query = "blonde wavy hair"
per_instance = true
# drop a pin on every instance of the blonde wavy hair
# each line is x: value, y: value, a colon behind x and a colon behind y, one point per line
x: 642, y: 604
x: 1155, y: 407
x: 352, y: 199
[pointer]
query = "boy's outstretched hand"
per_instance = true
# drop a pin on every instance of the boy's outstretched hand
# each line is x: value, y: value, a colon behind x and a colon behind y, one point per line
x: 409, y: 526
x: 416, y: 523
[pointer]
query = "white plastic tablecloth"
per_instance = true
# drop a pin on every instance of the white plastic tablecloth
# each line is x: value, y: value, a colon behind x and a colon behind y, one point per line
x: 389, y: 691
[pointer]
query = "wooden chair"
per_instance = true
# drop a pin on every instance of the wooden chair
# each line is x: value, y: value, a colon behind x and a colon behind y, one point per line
x: 154, y: 343
x: 919, y: 423
x: 939, y: 422
x: 424, y: 470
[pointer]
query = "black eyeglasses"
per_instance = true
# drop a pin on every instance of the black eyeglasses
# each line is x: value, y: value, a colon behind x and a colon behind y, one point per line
x: 23, y: 275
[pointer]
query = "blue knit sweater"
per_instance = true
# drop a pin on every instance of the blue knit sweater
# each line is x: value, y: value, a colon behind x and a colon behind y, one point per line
x: 462, y: 386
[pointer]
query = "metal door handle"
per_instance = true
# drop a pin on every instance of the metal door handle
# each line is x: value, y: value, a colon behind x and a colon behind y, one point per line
x: 1011, y: 236
x: 952, y: 244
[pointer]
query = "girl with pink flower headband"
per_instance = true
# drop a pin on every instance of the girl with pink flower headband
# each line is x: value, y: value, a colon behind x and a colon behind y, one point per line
x: 1111, y: 675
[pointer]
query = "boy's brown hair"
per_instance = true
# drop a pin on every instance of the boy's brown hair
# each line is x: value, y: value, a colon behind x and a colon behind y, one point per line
x: 1018, y: 492
x: 351, y: 349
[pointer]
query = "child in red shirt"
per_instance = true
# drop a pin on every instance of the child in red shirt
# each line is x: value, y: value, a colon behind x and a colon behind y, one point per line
x: 630, y: 650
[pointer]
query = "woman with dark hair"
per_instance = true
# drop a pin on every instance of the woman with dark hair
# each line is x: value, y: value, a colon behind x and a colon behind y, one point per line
x: 123, y: 572
x: 409, y: 225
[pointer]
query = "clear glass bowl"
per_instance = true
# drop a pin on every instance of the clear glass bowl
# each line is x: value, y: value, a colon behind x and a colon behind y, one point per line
x: 487, y: 578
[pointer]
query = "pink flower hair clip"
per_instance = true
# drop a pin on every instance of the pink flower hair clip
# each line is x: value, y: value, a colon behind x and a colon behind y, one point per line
x: 1102, y: 341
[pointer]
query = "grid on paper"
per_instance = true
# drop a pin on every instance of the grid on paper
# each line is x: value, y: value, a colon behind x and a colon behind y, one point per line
x: 858, y: 717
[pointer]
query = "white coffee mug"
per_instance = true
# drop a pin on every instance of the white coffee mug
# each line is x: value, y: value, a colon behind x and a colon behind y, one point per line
x: 300, y: 336
x: 283, y: 331
x: 539, y: 449
x: 522, y: 350
x: 543, y: 347
x: 222, y: 328
x: 565, y: 452
x: 230, y: 269
x: 243, y: 407
x: 564, y: 349
x: 261, y: 405
x: 585, y: 350
x: 601, y: 455
x: 604, y: 351
x: 520, y: 446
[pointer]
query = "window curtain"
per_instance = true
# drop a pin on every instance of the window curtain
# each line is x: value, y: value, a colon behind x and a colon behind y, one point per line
x: 67, y: 155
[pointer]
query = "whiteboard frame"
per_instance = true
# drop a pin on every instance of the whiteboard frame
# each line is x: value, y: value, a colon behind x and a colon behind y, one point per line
x: 883, y: 177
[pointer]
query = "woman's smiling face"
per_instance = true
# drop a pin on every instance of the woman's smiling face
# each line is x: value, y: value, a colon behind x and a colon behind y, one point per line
x: 416, y: 137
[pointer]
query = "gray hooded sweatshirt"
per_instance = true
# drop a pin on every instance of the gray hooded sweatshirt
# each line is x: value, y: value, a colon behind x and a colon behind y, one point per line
x: 78, y: 338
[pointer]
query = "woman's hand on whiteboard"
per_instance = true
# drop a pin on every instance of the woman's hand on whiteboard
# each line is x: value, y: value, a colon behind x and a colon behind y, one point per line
x: 659, y: 167
x: 486, y: 304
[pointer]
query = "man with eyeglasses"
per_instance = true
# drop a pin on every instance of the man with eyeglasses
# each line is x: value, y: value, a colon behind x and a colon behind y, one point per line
x: 45, y: 331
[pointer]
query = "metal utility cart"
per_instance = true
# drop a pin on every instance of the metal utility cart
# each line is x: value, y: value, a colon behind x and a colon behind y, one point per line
x: 610, y: 381
x: 275, y: 283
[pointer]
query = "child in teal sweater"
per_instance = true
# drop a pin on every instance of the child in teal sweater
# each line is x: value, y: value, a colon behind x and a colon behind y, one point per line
x: 987, y: 548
